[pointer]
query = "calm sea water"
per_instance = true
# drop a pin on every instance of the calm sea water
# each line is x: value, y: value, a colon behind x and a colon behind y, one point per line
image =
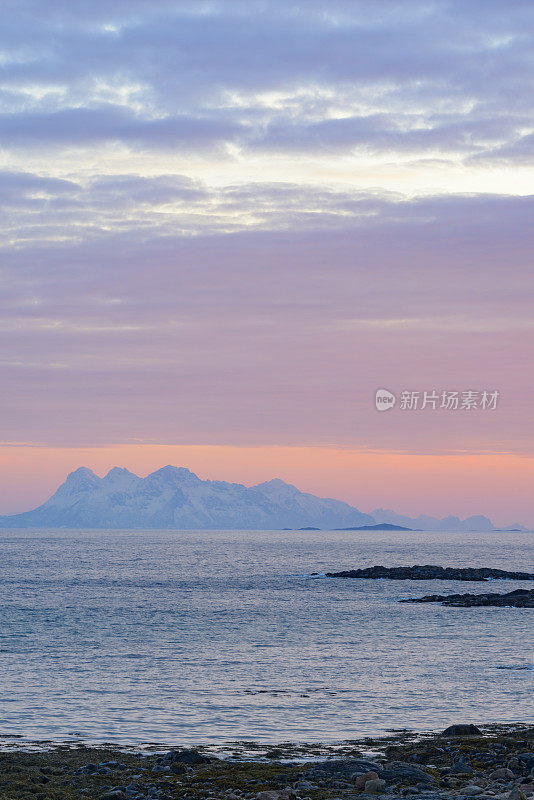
x: 189, y: 637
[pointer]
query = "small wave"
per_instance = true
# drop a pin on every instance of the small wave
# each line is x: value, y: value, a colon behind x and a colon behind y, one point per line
x: 306, y: 575
x: 517, y: 667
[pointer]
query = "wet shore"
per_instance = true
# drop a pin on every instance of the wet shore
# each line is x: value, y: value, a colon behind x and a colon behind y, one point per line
x: 494, y: 763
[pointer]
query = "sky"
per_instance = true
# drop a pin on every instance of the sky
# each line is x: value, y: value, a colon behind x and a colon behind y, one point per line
x: 225, y: 225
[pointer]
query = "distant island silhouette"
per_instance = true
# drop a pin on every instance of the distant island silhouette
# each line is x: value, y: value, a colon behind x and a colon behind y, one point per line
x: 176, y: 498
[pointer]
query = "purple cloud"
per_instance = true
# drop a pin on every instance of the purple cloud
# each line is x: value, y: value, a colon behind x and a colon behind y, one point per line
x: 275, y: 335
x: 447, y: 75
x: 142, y: 304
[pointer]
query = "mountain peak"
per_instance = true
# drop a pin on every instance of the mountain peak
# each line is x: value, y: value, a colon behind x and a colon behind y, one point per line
x: 81, y: 474
x: 276, y: 485
x: 120, y: 475
x: 172, y: 474
x: 81, y: 479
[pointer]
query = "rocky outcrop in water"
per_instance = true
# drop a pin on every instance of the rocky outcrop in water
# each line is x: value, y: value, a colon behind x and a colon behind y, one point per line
x: 429, y: 572
x: 521, y: 598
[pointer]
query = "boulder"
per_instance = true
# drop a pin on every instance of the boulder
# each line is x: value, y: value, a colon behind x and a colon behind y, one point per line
x: 527, y: 761
x: 502, y: 772
x: 374, y: 786
x: 517, y: 793
x: 361, y: 780
x: 401, y: 772
x: 267, y: 795
x: 178, y: 768
x: 462, y: 730
x: 461, y: 769
x: 190, y: 757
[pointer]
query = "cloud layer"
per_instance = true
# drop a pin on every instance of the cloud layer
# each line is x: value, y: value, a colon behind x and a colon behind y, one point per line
x: 449, y: 78
x: 230, y: 222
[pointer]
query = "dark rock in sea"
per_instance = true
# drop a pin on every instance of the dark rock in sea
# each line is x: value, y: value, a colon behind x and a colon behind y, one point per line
x: 520, y: 598
x: 430, y: 572
x: 382, y: 526
x: 462, y: 730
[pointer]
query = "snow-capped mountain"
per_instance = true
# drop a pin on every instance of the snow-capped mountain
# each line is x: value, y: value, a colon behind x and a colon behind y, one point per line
x: 177, y: 498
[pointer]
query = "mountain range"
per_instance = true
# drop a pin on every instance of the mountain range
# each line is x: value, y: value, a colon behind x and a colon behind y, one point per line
x: 174, y: 497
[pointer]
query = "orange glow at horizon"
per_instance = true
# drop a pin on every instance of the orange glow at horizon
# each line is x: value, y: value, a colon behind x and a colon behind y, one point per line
x: 497, y: 485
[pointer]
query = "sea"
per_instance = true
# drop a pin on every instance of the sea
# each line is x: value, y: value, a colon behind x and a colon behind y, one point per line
x: 211, y: 637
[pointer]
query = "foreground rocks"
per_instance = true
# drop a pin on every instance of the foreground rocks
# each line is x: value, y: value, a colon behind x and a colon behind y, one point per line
x: 520, y: 598
x: 463, y: 761
x: 429, y: 572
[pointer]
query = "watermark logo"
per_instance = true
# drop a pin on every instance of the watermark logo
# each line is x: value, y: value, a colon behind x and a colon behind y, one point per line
x: 468, y: 400
x: 384, y: 400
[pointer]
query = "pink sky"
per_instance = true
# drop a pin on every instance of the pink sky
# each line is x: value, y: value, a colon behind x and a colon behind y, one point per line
x: 497, y: 485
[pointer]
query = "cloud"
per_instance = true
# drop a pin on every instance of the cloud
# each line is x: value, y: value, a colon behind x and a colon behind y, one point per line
x: 288, y: 253
x: 18, y: 189
x: 75, y: 126
x: 444, y: 76
x: 188, y: 255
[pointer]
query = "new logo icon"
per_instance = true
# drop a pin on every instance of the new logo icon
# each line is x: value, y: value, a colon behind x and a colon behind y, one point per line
x: 384, y: 400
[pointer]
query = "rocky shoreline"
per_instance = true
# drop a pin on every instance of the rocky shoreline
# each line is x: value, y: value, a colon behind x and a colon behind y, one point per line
x: 428, y: 572
x: 495, y: 763
x: 520, y: 598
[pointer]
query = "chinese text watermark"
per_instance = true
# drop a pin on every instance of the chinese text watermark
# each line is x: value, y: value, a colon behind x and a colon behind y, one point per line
x: 449, y: 400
